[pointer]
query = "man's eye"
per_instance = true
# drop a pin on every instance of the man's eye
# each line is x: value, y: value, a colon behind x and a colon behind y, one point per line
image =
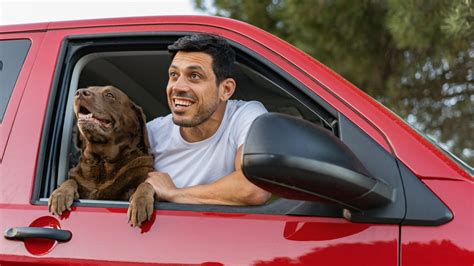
x: 173, y: 74
x: 109, y: 95
x: 195, y: 76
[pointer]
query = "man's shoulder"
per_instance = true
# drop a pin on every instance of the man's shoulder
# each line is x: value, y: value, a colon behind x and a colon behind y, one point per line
x: 240, y: 105
x: 160, y: 122
x: 241, y: 111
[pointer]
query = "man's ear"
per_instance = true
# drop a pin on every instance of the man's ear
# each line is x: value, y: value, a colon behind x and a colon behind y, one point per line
x: 226, y: 89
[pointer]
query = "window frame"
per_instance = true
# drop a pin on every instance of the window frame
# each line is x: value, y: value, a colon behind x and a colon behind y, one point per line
x: 71, y: 53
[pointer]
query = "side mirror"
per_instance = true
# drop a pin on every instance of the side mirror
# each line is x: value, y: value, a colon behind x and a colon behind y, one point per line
x: 296, y: 159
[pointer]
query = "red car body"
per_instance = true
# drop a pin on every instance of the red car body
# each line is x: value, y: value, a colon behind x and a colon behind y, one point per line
x: 101, y: 234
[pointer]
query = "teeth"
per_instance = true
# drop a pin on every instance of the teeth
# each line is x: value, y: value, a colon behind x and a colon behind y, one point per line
x: 182, y: 102
x: 90, y: 118
x: 83, y: 116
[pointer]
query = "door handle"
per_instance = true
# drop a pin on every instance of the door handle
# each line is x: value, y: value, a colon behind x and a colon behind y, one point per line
x: 22, y: 233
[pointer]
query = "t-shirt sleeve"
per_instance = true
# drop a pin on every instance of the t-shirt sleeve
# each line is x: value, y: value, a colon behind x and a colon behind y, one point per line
x: 250, y: 111
x: 153, y: 127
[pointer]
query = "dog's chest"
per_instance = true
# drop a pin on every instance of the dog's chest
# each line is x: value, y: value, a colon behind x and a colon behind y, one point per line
x: 99, y: 181
x: 98, y: 173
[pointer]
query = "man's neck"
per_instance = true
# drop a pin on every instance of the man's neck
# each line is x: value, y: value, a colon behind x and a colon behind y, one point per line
x: 206, y: 129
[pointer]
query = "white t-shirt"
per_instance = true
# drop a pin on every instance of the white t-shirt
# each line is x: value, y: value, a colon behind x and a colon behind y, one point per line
x: 202, y: 162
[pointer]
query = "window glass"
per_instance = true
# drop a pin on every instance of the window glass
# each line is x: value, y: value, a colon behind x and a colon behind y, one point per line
x: 12, y: 57
x: 140, y: 71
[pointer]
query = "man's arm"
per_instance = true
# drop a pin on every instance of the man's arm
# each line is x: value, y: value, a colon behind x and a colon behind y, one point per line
x: 232, y: 189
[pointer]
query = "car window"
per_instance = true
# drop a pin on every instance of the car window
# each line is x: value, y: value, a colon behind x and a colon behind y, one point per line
x: 12, y: 57
x: 140, y: 70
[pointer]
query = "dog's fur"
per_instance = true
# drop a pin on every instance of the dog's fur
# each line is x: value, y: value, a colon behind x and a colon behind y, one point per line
x: 114, y: 160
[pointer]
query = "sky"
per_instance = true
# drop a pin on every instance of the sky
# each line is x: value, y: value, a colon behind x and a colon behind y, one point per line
x: 32, y: 11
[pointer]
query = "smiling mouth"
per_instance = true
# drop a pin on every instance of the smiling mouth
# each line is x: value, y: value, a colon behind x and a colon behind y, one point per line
x: 86, y: 116
x: 182, y: 103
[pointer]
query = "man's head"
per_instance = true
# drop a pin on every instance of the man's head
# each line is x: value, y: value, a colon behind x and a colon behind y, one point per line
x: 200, y: 80
x: 223, y: 56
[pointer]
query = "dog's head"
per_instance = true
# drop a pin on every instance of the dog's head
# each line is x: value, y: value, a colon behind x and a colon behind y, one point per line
x: 106, y: 115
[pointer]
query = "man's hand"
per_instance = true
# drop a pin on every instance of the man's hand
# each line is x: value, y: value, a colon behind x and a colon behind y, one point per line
x: 232, y: 189
x: 162, y: 184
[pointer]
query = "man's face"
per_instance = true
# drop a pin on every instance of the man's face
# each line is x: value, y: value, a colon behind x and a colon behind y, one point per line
x: 193, y: 95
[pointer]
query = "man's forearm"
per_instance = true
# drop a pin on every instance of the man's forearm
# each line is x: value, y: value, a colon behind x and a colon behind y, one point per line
x: 233, y: 189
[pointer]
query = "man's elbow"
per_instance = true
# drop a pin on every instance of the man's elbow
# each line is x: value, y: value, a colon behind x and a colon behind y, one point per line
x: 257, y: 197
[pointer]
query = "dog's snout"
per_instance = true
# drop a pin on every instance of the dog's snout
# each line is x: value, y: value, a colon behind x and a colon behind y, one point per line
x: 83, y: 93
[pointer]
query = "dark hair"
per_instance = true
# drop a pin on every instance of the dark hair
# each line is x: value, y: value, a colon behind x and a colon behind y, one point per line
x: 223, y: 56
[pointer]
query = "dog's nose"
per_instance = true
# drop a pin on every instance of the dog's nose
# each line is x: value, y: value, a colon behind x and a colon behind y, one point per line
x: 83, y: 92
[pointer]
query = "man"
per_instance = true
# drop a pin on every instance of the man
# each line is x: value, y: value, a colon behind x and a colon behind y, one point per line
x: 198, y: 147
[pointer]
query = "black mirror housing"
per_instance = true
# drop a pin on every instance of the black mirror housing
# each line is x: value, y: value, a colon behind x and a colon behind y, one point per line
x: 296, y: 159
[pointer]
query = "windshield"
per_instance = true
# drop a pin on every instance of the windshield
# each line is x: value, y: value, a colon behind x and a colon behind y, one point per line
x: 443, y: 148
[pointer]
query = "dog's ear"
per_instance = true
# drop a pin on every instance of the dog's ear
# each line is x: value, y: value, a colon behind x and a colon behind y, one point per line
x: 144, y: 144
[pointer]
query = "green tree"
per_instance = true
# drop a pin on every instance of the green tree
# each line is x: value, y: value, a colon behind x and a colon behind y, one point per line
x: 415, y: 56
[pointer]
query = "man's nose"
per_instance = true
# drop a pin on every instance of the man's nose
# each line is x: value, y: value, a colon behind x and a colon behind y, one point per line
x: 83, y: 93
x: 180, y: 84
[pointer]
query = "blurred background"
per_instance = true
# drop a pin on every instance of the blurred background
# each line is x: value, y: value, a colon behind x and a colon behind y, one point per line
x: 414, y: 56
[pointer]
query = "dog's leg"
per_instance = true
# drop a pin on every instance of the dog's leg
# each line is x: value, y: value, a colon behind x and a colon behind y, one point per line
x: 141, y: 204
x: 62, y: 198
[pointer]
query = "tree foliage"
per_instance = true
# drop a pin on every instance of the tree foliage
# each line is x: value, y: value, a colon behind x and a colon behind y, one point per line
x: 414, y: 56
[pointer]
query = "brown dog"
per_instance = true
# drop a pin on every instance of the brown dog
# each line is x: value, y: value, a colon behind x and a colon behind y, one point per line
x: 114, y: 158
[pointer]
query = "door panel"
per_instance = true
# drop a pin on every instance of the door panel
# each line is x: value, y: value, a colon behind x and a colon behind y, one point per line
x: 191, y: 237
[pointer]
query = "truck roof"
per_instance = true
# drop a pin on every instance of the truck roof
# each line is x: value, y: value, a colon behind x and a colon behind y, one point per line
x: 186, y: 19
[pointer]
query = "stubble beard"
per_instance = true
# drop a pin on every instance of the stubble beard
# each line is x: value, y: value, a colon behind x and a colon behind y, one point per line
x: 201, y: 116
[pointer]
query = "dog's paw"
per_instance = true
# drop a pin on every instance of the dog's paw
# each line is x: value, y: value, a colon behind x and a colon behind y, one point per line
x: 140, y: 210
x: 61, y: 200
x: 141, y: 205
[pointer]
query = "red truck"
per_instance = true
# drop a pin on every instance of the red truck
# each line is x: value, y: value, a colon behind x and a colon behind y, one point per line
x: 353, y: 183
